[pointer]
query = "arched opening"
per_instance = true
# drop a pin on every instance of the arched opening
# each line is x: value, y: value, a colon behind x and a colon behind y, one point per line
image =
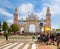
x: 22, y: 30
x: 32, y: 28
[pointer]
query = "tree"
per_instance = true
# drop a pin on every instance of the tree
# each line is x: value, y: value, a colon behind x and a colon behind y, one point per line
x: 9, y: 31
x: 0, y: 26
x: 58, y: 29
x: 14, y: 28
x: 5, y: 26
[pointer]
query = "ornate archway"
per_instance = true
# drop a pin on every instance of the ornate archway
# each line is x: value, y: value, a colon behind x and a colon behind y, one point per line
x: 32, y: 28
x: 22, y: 30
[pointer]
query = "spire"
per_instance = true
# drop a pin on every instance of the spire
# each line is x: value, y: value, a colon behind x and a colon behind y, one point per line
x: 16, y: 16
x: 16, y: 9
x: 48, y: 19
x: 48, y: 12
x: 48, y: 9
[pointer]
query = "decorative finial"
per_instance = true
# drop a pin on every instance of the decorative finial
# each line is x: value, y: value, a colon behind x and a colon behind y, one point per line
x: 48, y: 9
x: 16, y: 9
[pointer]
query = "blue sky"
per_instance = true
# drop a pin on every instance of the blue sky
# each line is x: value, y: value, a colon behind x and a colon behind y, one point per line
x: 26, y: 7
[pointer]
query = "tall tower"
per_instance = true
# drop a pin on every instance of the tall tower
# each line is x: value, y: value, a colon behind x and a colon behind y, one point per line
x: 16, y: 16
x: 48, y: 20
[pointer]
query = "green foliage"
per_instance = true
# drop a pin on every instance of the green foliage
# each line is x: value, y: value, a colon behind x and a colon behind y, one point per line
x: 0, y: 30
x: 0, y: 25
x: 9, y: 29
x: 5, y: 26
x: 53, y: 29
x: 58, y: 29
x: 9, y: 33
x: 14, y: 28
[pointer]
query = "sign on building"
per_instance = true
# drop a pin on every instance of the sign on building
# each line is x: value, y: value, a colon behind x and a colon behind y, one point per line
x: 41, y: 24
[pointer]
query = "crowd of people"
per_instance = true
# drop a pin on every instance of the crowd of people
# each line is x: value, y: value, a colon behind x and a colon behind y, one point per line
x: 49, y: 38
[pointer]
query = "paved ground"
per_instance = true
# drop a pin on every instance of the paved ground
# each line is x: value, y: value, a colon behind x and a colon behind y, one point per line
x: 23, y: 45
x: 46, y: 46
x: 23, y: 42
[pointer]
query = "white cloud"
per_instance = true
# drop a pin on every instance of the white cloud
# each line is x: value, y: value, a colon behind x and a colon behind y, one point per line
x: 54, y: 7
x: 55, y: 11
x: 24, y: 17
x: 42, y: 13
x: 58, y: 1
x: 6, y: 3
x: 55, y: 26
x: 4, y: 12
x: 9, y: 6
x: 10, y: 21
x: 26, y: 8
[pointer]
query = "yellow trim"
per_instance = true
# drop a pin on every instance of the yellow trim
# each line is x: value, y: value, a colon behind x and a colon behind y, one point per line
x: 46, y: 29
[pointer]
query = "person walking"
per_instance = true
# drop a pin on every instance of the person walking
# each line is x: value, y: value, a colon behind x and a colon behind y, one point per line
x: 58, y: 40
x: 38, y: 38
x: 33, y: 37
x: 47, y: 38
x: 51, y: 39
x: 6, y: 35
